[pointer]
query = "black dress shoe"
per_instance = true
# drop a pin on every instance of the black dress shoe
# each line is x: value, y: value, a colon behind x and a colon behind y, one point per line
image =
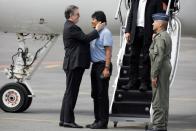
x: 155, y: 130
x: 60, y: 123
x: 99, y: 125
x: 71, y: 125
x: 143, y: 87
x: 91, y: 125
x: 127, y: 87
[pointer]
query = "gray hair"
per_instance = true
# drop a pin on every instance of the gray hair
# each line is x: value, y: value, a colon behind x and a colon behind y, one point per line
x: 70, y: 11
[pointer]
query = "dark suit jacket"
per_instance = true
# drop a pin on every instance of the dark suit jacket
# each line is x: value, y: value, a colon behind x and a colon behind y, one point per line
x: 152, y: 7
x: 77, y: 47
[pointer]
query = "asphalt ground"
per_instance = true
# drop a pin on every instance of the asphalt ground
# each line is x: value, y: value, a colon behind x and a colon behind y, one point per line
x: 48, y: 84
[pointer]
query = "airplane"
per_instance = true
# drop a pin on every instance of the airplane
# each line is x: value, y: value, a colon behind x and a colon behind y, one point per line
x: 47, y: 16
x: 43, y: 21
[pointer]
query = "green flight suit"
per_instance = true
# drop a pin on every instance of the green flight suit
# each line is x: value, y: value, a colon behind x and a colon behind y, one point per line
x: 160, y: 54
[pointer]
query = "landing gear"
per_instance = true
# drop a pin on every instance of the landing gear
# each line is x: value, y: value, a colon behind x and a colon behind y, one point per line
x: 17, y: 96
x: 14, y: 97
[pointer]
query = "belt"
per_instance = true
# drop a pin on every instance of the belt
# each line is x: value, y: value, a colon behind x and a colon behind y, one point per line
x: 98, y: 62
x: 140, y: 29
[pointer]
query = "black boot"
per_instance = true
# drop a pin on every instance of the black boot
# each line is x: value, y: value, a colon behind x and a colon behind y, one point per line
x: 128, y: 86
x: 143, y: 87
x: 155, y: 130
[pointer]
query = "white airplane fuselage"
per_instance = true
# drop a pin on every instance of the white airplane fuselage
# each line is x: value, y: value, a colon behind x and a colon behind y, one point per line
x: 24, y: 15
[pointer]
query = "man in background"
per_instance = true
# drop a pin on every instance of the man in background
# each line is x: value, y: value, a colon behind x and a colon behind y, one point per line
x: 138, y: 34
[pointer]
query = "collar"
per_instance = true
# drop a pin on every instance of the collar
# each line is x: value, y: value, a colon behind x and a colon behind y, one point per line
x: 69, y: 21
x: 158, y: 33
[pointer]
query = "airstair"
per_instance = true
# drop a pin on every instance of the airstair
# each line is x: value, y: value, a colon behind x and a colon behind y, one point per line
x: 133, y: 105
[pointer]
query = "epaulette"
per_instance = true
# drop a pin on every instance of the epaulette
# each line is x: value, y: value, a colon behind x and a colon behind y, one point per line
x: 157, y: 35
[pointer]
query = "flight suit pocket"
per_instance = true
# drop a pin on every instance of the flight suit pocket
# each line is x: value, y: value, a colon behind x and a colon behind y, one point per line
x: 155, y: 52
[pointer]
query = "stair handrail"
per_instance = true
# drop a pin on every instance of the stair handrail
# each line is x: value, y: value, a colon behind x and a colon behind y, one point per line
x: 174, y: 26
x: 118, y: 13
x: 121, y: 51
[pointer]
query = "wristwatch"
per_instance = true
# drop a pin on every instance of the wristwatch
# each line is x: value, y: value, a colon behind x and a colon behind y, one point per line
x: 107, y: 66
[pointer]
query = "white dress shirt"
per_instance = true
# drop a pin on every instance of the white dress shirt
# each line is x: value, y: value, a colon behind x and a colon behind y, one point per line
x: 141, y: 13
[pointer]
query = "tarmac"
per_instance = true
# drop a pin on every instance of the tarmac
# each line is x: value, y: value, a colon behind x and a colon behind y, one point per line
x: 48, y: 84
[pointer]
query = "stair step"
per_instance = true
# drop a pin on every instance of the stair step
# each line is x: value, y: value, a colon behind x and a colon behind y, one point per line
x: 133, y: 102
x: 133, y: 95
x: 122, y: 81
x: 135, y: 107
x: 128, y: 49
x: 126, y: 60
x: 130, y: 115
x: 124, y: 72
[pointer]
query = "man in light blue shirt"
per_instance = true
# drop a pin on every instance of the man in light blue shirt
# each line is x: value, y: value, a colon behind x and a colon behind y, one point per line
x: 98, y: 51
x: 101, y: 53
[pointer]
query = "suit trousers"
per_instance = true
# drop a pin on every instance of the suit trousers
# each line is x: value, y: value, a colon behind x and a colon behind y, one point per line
x: 73, y: 80
x: 139, y: 59
x: 99, y: 92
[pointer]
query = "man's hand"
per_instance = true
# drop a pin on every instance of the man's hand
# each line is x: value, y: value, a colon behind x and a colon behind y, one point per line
x: 154, y: 82
x: 106, y: 73
x: 100, y: 26
x: 128, y: 37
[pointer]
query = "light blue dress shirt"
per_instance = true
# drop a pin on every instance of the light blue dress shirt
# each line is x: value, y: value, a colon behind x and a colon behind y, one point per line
x: 97, y: 46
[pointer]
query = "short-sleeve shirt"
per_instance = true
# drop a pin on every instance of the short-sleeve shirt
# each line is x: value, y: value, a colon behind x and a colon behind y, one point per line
x: 97, y: 46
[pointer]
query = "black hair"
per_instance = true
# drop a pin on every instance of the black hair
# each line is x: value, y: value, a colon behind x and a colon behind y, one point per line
x: 70, y: 11
x: 99, y: 15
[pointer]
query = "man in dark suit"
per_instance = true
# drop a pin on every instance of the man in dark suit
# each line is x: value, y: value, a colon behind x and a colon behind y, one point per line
x: 76, y: 60
x: 139, y: 34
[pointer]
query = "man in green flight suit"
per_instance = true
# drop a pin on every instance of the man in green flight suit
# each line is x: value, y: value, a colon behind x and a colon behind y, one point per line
x: 160, y: 54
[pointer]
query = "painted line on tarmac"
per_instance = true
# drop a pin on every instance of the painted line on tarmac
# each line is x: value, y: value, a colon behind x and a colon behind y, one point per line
x: 52, y: 62
x: 31, y: 120
x: 52, y: 66
x: 47, y: 65
x: 190, y: 130
x: 2, y: 67
x: 183, y: 99
x: 35, y: 120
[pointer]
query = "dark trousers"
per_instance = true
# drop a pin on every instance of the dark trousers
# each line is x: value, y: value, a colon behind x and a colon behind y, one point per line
x: 99, y: 92
x: 73, y: 80
x: 139, y: 61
